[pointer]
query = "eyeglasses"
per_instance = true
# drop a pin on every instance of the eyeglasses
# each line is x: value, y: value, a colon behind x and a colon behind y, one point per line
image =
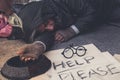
x: 71, y: 50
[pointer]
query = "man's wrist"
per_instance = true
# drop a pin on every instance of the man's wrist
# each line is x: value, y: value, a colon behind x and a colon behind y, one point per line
x: 40, y: 43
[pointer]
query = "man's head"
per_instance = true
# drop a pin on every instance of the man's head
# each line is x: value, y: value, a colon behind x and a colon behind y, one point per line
x: 47, y: 26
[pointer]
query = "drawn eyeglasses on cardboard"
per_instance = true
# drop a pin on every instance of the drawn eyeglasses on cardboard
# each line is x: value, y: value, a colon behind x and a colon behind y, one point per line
x: 69, y: 51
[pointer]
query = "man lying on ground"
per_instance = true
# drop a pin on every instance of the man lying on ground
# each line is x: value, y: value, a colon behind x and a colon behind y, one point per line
x: 44, y: 22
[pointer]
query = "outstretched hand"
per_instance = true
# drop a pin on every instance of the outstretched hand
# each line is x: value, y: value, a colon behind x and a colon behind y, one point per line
x: 30, y: 52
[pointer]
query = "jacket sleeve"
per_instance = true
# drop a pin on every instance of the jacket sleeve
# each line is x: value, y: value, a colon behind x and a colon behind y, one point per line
x: 47, y: 38
x: 86, y: 21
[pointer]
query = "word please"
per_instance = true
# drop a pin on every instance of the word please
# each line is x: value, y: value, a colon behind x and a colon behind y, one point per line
x: 79, y: 74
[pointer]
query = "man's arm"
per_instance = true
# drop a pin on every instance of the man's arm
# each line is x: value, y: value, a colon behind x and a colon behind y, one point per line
x: 47, y: 39
x: 85, y: 20
x: 36, y: 48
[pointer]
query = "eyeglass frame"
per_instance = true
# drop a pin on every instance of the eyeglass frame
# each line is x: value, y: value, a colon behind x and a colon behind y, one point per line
x: 71, y: 47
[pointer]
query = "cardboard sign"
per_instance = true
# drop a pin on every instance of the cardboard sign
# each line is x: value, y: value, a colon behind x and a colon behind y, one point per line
x: 94, y: 65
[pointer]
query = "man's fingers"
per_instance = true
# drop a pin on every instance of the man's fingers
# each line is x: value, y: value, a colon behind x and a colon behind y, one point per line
x: 22, y: 58
x: 59, y: 37
x: 56, y: 35
x: 27, y: 59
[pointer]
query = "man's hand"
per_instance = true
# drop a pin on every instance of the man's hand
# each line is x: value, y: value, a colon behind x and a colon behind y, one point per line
x: 30, y: 51
x: 64, y: 35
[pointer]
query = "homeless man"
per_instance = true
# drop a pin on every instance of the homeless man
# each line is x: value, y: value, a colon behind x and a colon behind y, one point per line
x: 52, y: 20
